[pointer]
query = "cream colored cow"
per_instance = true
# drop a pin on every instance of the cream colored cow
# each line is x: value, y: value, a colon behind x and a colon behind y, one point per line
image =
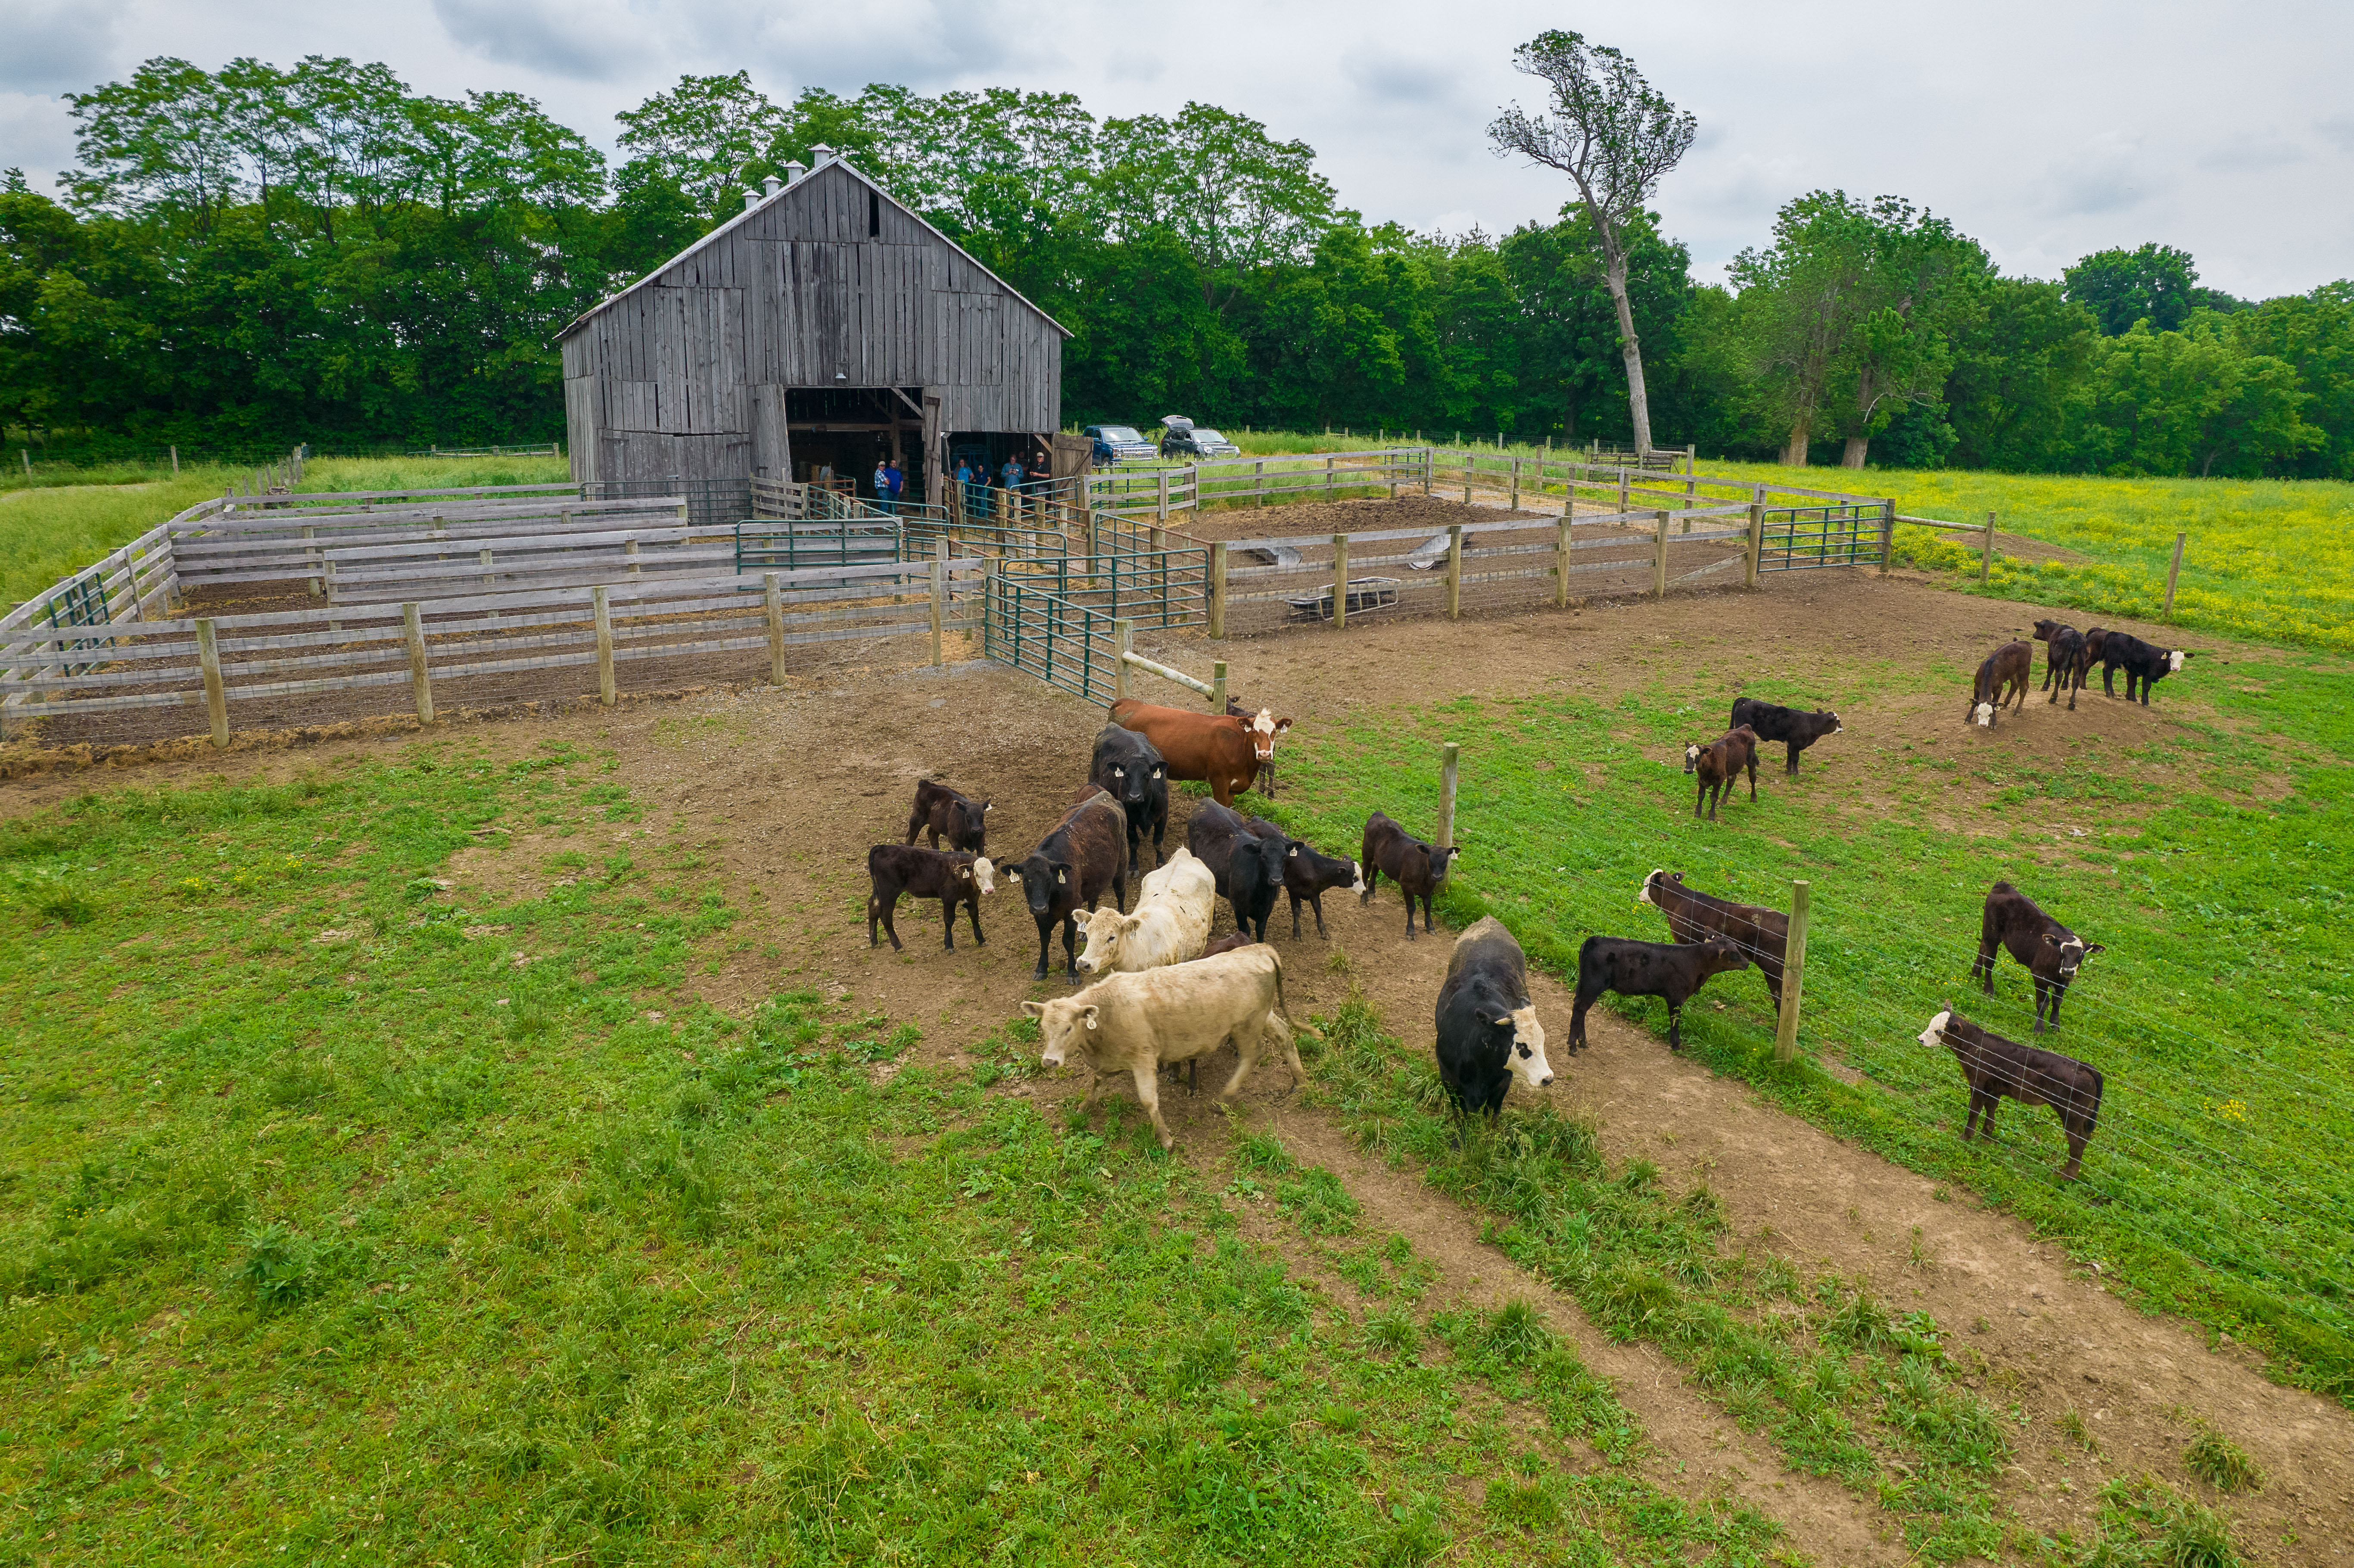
x: 1138, y: 1022
x: 1170, y: 923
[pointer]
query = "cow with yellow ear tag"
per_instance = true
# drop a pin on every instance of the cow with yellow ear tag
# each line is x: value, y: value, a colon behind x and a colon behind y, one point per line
x: 1082, y: 857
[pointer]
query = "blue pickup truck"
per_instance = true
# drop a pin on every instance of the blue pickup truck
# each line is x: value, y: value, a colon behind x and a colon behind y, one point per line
x: 1118, y: 443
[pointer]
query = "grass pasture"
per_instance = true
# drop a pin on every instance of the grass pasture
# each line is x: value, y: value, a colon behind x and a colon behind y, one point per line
x: 2206, y: 858
x: 342, y: 1221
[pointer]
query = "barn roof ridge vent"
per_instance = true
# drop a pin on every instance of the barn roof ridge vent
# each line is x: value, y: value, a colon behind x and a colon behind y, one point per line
x: 794, y: 170
x: 826, y: 158
x: 772, y: 185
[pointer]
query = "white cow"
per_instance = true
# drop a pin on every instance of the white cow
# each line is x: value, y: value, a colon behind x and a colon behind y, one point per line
x: 1136, y: 1022
x: 1170, y: 924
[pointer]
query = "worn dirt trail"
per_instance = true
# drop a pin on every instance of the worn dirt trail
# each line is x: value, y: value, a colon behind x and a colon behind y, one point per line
x: 786, y: 789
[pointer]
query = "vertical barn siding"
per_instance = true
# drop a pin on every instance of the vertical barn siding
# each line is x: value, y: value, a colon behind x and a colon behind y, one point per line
x: 684, y: 374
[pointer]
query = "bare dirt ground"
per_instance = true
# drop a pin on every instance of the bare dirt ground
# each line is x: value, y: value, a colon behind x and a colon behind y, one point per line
x: 787, y: 787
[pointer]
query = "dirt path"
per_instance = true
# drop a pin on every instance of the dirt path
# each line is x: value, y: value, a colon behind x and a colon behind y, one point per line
x: 786, y: 788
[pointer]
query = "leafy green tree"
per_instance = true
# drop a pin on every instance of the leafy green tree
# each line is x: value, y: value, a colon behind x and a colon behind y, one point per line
x: 701, y: 140
x: 2020, y: 364
x: 2155, y: 283
x: 1239, y: 200
x: 1616, y: 138
x: 2313, y: 336
x: 1571, y: 361
x: 2193, y: 401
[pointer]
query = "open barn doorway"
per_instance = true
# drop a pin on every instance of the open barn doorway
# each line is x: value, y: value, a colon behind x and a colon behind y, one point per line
x: 840, y: 433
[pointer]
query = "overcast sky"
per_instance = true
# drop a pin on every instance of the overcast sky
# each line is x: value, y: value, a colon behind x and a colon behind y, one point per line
x: 2045, y: 130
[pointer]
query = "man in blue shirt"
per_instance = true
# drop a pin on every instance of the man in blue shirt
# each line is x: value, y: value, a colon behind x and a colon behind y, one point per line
x: 898, y: 482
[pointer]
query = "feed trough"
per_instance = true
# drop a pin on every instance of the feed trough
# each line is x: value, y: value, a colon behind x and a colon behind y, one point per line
x: 1365, y: 596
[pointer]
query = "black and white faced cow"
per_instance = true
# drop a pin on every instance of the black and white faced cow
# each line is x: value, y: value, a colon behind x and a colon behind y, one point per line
x: 1488, y: 1028
x: 2052, y: 952
x: 953, y: 876
x: 1996, y: 1069
x: 2145, y: 664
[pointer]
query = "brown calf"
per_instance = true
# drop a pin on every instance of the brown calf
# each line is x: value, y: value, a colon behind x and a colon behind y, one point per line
x: 939, y: 809
x: 1413, y: 863
x: 1995, y: 1069
x: 1720, y: 762
x: 953, y: 877
x: 1693, y: 917
x: 2008, y: 671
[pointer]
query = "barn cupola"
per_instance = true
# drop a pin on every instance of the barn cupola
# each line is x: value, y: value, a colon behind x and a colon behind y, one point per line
x: 772, y: 185
x: 821, y: 155
x: 794, y: 170
x: 752, y: 198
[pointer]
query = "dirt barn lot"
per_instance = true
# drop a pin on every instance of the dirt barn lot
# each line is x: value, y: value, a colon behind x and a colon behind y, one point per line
x: 788, y: 788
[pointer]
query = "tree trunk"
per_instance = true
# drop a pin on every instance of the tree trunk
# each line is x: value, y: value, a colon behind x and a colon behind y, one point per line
x: 1794, y: 454
x: 1853, y: 456
x: 1639, y: 402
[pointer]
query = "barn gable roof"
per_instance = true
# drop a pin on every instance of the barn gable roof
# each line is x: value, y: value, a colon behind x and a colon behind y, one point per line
x: 800, y: 186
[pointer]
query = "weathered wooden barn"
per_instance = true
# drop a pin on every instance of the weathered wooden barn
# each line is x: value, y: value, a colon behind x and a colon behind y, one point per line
x: 822, y: 327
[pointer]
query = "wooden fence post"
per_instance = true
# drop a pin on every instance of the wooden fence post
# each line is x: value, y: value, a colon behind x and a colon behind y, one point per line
x: 1561, y: 563
x: 1986, y: 552
x: 1887, y: 532
x: 772, y: 594
x: 1757, y: 537
x: 1450, y: 759
x: 1516, y: 484
x: 1218, y: 588
x: 318, y: 586
x: 215, y: 692
x: 1259, y: 487
x: 1794, y: 970
x: 1123, y: 641
x: 1659, y: 559
x: 1467, y: 476
x: 1429, y: 466
x: 2173, y: 570
x: 1327, y: 479
x: 420, y: 675
x: 940, y: 596
x: 1340, y: 581
x: 1622, y: 487
x: 1455, y: 571
x: 1218, y: 687
x: 600, y: 607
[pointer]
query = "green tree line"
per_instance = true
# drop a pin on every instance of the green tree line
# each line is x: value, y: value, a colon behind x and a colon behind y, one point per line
x: 257, y: 254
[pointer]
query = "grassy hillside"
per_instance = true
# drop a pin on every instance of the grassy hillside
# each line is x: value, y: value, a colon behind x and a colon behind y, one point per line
x: 48, y: 532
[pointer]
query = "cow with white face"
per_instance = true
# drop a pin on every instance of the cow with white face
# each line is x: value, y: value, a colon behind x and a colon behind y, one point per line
x: 1488, y: 1029
x: 1170, y: 923
x: 2052, y: 952
x: 1138, y: 1023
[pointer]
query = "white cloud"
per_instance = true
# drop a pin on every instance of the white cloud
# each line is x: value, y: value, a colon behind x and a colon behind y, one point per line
x: 580, y: 41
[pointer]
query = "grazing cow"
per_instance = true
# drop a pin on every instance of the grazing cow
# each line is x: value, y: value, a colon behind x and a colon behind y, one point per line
x: 952, y: 877
x: 1413, y: 863
x: 1248, y: 866
x: 1137, y: 1023
x: 2010, y: 669
x: 1995, y: 1068
x: 2143, y: 661
x: 1224, y: 752
x: 2052, y: 952
x: 1488, y: 1028
x: 1126, y: 767
x: 1664, y: 969
x: 1170, y: 922
x: 1796, y: 728
x: 1719, y: 763
x: 939, y: 809
x: 1693, y: 917
x: 1082, y: 857
x: 2063, y: 660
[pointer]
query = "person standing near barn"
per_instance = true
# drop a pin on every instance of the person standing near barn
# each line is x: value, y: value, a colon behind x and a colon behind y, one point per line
x: 898, y: 482
x: 883, y: 485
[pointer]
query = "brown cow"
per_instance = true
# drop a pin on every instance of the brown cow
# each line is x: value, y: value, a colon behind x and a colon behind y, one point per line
x: 1224, y: 753
x: 1694, y: 916
x: 941, y: 809
x: 1995, y: 1069
x: 1082, y: 857
x: 1719, y: 763
x: 2008, y: 672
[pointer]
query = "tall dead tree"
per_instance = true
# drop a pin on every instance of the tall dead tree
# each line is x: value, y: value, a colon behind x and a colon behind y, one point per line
x: 1616, y: 138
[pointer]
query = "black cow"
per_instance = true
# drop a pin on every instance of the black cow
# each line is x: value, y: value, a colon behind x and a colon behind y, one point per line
x: 1413, y: 863
x: 2064, y: 660
x: 1309, y: 874
x: 2050, y: 951
x: 1247, y: 863
x: 952, y: 877
x: 1082, y: 857
x: 1796, y: 728
x: 2143, y: 661
x: 1995, y: 1069
x: 1488, y: 1028
x: 1694, y: 916
x: 1129, y: 768
x: 939, y: 809
x: 1665, y: 970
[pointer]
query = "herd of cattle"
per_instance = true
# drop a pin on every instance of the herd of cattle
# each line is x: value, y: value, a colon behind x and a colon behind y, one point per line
x: 2006, y: 674
x: 1164, y: 994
